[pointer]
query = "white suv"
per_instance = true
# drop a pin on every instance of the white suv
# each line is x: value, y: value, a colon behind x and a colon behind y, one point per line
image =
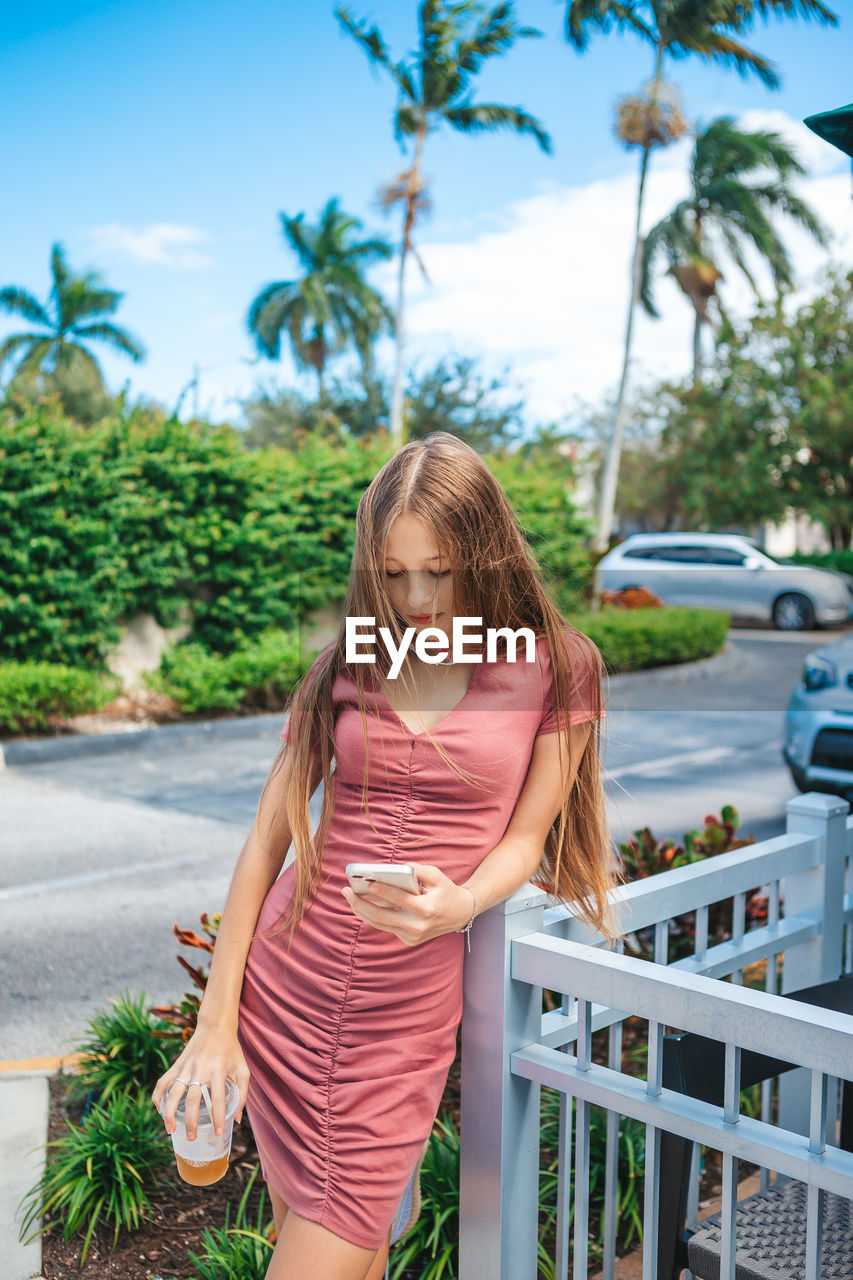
x: 729, y: 572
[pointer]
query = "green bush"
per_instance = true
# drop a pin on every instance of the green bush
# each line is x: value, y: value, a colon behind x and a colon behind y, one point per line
x: 630, y: 639
x: 241, y: 1252
x: 144, y: 514
x: 122, y: 1052
x: 842, y: 561
x: 101, y: 1172
x: 32, y: 692
x: 431, y: 1250
x: 256, y: 677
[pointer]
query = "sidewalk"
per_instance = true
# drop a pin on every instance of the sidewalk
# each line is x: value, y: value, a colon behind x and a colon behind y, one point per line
x: 23, y: 1131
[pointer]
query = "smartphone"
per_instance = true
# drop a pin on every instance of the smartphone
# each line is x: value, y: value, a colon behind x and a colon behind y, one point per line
x: 400, y: 874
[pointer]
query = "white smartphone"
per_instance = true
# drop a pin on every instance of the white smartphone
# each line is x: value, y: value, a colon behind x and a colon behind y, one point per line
x: 399, y: 874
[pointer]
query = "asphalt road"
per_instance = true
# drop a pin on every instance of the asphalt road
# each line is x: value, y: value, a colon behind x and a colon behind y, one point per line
x: 101, y: 854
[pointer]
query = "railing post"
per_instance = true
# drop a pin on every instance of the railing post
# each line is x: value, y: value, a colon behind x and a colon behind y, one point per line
x: 499, y: 1172
x: 819, y: 893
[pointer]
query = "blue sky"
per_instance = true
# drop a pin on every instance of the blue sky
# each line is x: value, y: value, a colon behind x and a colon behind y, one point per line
x: 159, y: 141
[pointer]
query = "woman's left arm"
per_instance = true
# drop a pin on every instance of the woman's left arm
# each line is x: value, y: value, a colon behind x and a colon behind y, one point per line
x: 445, y: 907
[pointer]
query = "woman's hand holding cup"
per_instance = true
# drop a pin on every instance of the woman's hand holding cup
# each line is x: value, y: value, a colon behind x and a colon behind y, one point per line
x: 210, y: 1058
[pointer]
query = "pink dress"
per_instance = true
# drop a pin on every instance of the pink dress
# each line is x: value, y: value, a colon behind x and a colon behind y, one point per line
x: 349, y: 1036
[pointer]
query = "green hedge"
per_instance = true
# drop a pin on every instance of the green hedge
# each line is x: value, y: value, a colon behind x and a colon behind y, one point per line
x: 147, y: 514
x: 144, y: 514
x: 840, y: 560
x: 31, y: 693
x: 630, y: 639
x: 256, y: 677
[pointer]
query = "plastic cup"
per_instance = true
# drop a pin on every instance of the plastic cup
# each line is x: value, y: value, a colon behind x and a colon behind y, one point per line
x: 205, y: 1159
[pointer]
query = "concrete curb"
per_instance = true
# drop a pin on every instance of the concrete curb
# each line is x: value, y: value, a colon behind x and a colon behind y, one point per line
x: 704, y: 669
x: 27, y: 751
x: 24, y: 1109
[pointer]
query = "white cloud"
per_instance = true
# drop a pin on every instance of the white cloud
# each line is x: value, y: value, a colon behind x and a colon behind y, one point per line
x: 544, y: 288
x: 161, y: 243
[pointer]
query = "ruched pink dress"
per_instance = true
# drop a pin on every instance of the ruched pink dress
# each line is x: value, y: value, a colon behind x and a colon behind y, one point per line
x: 350, y: 1034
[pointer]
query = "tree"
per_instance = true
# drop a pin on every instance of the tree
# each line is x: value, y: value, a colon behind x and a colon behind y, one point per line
x: 448, y: 395
x: 677, y: 29
x: 435, y: 87
x: 738, y: 180
x: 55, y: 357
x: 331, y: 304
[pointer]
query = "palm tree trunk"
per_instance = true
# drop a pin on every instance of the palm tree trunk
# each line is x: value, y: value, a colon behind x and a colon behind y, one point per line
x: 408, y: 222
x: 397, y: 391
x: 697, y: 349
x: 607, y: 500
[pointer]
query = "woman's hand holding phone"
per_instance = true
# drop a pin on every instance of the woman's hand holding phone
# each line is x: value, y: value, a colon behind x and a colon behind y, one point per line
x: 441, y: 906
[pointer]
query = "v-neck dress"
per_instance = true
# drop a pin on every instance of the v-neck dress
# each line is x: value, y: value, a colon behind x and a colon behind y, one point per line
x: 349, y: 1034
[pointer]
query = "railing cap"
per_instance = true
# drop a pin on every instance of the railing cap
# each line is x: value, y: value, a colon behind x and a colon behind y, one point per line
x: 817, y: 804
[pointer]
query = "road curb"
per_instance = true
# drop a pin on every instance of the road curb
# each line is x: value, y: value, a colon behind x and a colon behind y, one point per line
x: 24, y: 1112
x: 20, y: 752
x: 704, y: 668
x: 50, y: 1066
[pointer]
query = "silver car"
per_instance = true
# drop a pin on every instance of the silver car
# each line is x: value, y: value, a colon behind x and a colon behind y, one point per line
x: 730, y: 572
x: 819, y: 721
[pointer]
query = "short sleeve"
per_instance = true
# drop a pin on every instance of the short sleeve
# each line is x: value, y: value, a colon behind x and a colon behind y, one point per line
x: 585, y: 672
x: 313, y: 671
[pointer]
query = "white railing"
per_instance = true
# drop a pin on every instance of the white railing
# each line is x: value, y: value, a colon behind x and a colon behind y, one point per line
x: 510, y: 1047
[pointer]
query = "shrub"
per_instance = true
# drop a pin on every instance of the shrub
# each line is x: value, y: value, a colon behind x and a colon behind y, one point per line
x: 32, y: 693
x: 184, y: 1016
x: 842, y: 561
x: 629, y: 1216
x: 630, y: 639
x: 126, y: 1050
x: 101, y: 1171
x: 256, y: 677
x: 241, y: 1252
x: 431, y: 1249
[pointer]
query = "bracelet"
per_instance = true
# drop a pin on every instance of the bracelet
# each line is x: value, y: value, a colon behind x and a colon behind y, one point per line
x: 466, y: 929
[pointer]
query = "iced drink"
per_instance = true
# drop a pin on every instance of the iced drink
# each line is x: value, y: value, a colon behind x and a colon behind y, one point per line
x: 205, y: 1159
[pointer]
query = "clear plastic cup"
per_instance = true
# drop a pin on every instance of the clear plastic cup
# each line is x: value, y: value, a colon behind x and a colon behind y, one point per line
x: 205, y: 1159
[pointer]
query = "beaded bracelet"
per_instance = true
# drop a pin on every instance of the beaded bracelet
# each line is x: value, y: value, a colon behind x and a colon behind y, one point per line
x: 466, y: 929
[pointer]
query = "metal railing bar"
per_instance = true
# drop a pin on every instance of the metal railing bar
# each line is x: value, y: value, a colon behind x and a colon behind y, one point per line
x: 818, y: 1112
x: 749, y: 1139
x: 580, y: 1234
x: 701, y: 935
x: 700, y: 883
x: 728, y: 1239
x: 564, y: 1187
x: 559, y: 1028
x: 814, y: 1232
x: 738, y: 930
x: 813, y: 1037
x: 651, y: 1195
x: 611, y: 1162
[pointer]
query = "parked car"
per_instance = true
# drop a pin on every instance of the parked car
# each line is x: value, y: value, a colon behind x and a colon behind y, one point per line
x: 730, y: 572
x: 818, y: 745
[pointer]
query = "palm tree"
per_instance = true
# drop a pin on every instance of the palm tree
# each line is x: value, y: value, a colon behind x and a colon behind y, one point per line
x: 677, y: 29
x: 738, y: 179
x: 331, y: 305
x: 56, y: 355
x: 435, y: 87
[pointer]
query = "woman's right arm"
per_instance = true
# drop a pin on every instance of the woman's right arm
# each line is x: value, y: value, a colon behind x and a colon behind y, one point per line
x: 213, y: 1053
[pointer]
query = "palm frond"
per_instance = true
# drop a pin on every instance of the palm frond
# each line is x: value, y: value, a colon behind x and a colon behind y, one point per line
x: 16, y: 342
x: 745, y: 9
x: 269, y: 314
x: 118, y: 339
x: 583, y: 17
x: 21, y: 302
x: 488, y: 116
x: 495, y: 34
x: 716, y: 46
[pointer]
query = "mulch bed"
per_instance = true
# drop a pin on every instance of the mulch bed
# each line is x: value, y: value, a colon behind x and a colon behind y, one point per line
x: 180, y: 1214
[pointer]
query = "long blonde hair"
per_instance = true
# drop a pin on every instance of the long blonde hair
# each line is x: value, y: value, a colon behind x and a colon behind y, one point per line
x: 444, y: 483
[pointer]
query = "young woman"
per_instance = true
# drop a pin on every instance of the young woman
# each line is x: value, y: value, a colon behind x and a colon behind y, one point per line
x: 336, y: 1014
